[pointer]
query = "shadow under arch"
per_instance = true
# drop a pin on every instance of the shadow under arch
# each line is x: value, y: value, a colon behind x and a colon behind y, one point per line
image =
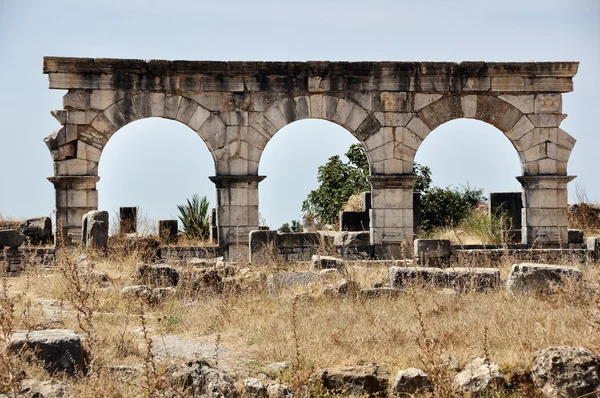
x: 291, y: 160
x: 155, y: 164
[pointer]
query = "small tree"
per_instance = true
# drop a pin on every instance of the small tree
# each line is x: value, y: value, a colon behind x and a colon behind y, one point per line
x: 338, y: 181
x: 194, y: 217
x: 295, y: 227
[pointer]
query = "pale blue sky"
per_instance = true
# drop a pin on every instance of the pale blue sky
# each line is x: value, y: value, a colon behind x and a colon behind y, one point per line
x: 156, y: 164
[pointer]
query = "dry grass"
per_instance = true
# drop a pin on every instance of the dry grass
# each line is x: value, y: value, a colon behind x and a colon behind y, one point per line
x: 307, y: 330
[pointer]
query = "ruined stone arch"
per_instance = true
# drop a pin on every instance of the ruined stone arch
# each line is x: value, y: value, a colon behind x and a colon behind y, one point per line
x: 341, y: 111
x: 389, y: 106
x: 543, y: 147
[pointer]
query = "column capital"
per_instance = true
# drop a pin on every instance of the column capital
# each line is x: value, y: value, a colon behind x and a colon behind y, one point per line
x: 393, y: 181
x: 545, y: 181
x: 74, y: 182
x: 227, y: 181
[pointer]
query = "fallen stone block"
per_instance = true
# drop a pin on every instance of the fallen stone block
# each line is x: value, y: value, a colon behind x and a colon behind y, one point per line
x: 262, y: 247
x: 566, y: 372
x: 377, y: 292
x: 458, y: 278
x: 574, y: 236
x: 410, y: 382
x: 59, y: 350
x: 349, y: 238
x: 357, y: 381
x: 279, y: 390
x: 319, y: 263
x: 198, y: 379
x: 432, y: 252
x: 37, y: 230
x: 157, y: 275
x: 11, y: 238
x: 539, y: 278
x: 278, y: 282
x: 477, y: 279
x: 253, y: 388
x: 94, y: 232
x: 479, y: 378
x: 401, y: 277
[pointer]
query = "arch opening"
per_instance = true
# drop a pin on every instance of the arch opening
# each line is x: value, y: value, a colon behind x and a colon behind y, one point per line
x: 154, y: 164
x: 291, y: 159
x: 470, y: 154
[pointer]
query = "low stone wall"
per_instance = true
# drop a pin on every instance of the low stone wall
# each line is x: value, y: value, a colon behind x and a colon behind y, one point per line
x: 14, y: 260
x: 185, y: 252
x: 487, y: 257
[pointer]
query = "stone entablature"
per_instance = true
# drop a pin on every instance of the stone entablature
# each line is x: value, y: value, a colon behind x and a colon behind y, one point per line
x: 390, y: 107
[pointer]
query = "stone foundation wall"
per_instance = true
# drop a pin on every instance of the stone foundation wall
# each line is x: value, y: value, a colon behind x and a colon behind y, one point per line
x: 185, y: 252
x: 14, y: 260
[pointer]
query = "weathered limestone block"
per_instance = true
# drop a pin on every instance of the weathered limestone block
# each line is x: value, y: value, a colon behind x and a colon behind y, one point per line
x: 38, y: 230
x: 94, y: 232
x: 478, y: 379
x: 157, y: 275
x: 59, y: 350
x: 279, y: 390
x: 431, y: 251
x: 354, y: 380
x: 575, y: 236
x: 319, y: 263
x: 593, y: 245
x: 562, y: 372
x: 128, y: 220
x: 538, y: 278
x: 198, y: 379
x: 279, y: 282
x: 253, y: 388
x: 458, y: 278
x: 11, y: 238
x: 168, y: 230
x: 400, y: 277
x: 263, y: 247
x: 410, y: 382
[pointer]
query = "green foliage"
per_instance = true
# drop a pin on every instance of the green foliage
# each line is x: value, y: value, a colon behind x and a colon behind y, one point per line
x: 337, y: 182
x: 295, y: 227
x: 441, y: 207
x: 488, y: 230
x: 423, y: 184
x: 194, y: 216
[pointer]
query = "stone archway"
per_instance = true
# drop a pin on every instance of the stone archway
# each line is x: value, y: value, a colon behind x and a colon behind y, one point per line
x: 531, y: 123
x: 389, y: 106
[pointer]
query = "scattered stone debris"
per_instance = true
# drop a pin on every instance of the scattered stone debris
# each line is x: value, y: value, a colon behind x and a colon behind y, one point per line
x: 562, y: 372
x: 354, y: 380
x: 479, y: 378
x: 59, y: 350
x: 539, y: 278
x: 410, y: 382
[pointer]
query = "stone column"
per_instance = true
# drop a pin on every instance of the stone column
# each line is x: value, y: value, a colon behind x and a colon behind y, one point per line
x: 545, y: 210
x: 391, y: 215
x: 75, y: 196
x: 237, y: 212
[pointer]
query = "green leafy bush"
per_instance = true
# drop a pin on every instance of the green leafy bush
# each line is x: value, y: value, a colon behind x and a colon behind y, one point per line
x: 194, y: 217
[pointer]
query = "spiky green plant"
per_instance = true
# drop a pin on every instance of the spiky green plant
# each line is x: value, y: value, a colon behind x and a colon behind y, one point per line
x: 194, y: 217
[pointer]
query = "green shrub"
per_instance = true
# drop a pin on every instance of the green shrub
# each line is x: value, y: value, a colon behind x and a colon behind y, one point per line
x: 194, y: 217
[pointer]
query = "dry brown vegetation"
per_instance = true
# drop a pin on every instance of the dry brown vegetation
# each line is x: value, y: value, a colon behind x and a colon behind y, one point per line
x: 419, y: 328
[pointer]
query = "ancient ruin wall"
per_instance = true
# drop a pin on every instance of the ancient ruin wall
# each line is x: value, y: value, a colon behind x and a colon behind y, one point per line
x: 390, y: 107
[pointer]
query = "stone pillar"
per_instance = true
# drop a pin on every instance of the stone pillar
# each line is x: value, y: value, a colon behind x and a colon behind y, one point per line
x: 237, y: 212
x: 545, y: 210
x: 391, y: 215
x: 75, y: 196
x: 127, y: 220
x: 167, y: 230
